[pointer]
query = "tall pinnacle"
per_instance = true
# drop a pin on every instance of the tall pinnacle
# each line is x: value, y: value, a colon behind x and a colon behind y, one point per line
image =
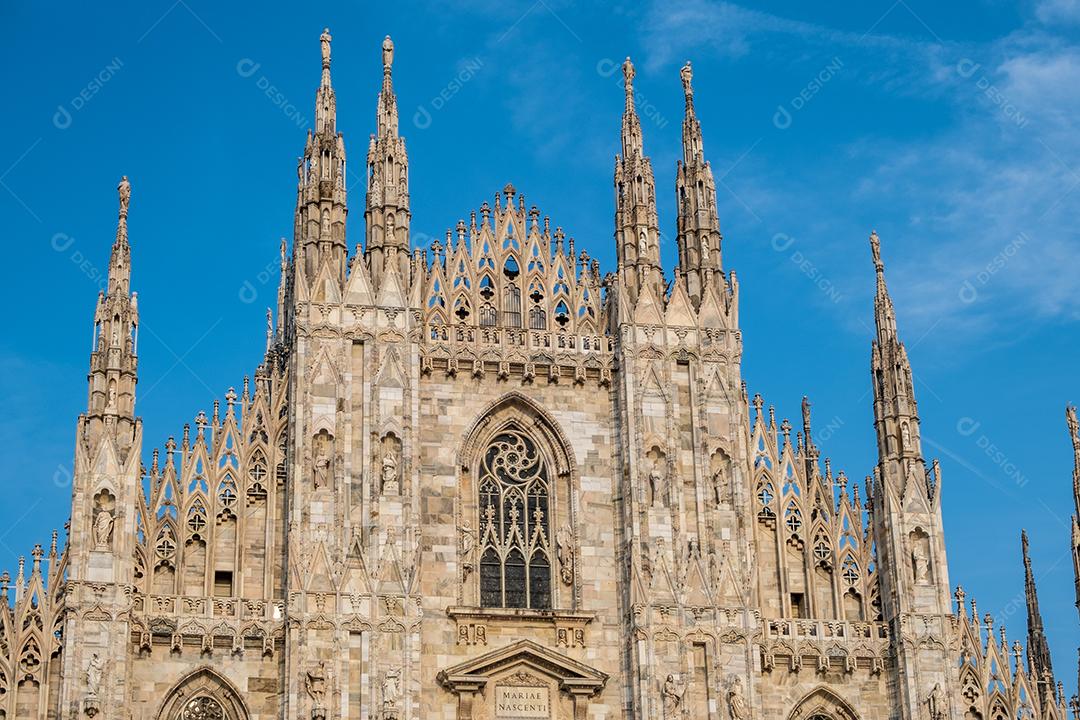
x: 632, y: 142
x: 1037, y: 646
x: 1074, y: 428
x: 387, y: 108
x: 693, y: 149
x: 120, y: 262
x: 698, y: 237
x: 884, y: 314
x: 325, y: 102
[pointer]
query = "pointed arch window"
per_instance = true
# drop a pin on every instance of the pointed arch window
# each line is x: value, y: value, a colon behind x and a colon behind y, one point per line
x: 515, y: 512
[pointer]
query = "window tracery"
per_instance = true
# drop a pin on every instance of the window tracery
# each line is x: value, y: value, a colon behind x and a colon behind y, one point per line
x: 515, y: 510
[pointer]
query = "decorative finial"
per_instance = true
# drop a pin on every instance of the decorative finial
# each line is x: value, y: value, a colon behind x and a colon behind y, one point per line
x: 875, y: 248
x: 324, y: 42
x: 387, y: 54
x: 687, y: 74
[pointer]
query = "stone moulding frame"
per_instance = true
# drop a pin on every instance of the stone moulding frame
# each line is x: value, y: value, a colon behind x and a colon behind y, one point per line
x: 469, y: 679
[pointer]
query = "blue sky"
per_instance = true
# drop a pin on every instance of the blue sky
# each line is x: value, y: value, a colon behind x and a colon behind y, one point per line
x: 946, y: 126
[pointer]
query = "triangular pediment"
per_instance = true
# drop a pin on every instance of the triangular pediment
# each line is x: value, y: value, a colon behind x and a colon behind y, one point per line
x: 572, y: 676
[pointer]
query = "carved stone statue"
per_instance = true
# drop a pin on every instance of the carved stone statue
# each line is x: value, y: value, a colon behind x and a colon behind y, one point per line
x: 468, y: 546
x: 657, y: 485
x: 628, y: 72
x: 736, y: 697
x: 324, y: 42
x: 103, y: 529
x: 920, y: 563
x: 564, y: 550
x: 391, y: 690
x: 672, y: 695
x: 124, y: 191
x: 387, y: 52
x: 322, y: 467
x: 719, y: 483
x: 390, y: 472
x: 94, y: 669
x: 687, y: 74
x: 315, y: 684
x: 935, y: 703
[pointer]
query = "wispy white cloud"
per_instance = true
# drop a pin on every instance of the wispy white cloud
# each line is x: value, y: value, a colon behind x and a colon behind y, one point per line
x: 984, y: 200
x: 1050, y: 11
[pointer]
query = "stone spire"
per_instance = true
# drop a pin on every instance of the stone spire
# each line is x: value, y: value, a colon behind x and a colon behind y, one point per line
x: 387, y: 211
x: 637, y: 233
x: 1037, y: 647
x: 120, y: 260
x: 113, y: 366
x: 321, y: 192
x: 908, y: 529
x: 1074, y: 436
x: 895, y: 408
x: 698, y: 221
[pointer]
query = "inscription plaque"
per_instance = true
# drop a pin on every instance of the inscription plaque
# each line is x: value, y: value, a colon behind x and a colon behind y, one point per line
x: 513, y: 702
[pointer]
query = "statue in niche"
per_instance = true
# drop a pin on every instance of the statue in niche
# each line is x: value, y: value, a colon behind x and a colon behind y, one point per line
x: 468, y: 546
x: 103, y: 529
x: 112, y: 397
x: 564, y: 550
x: 720, y: 485
x: 94, y: 669
x: 920, y: 560
x: 315, y: 684
x: 935, y: 703
x: 390, y: 472
x: 657, y: 485
x: 714, y: 571
x: 323, y: 463
x: 737, y: 706
x: 672, y: 695
x: 391, y: 690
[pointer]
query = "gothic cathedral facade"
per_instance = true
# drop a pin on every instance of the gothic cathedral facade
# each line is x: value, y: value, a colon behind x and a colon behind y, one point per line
x: 483, y: 481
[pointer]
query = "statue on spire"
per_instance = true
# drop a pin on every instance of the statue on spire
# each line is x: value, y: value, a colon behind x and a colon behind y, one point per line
x: 324, y: 40
x: 124, y: 191
x: 387, y: 53
x: 687, y: 74
x: 628, y: 74
x: 875, y: 248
